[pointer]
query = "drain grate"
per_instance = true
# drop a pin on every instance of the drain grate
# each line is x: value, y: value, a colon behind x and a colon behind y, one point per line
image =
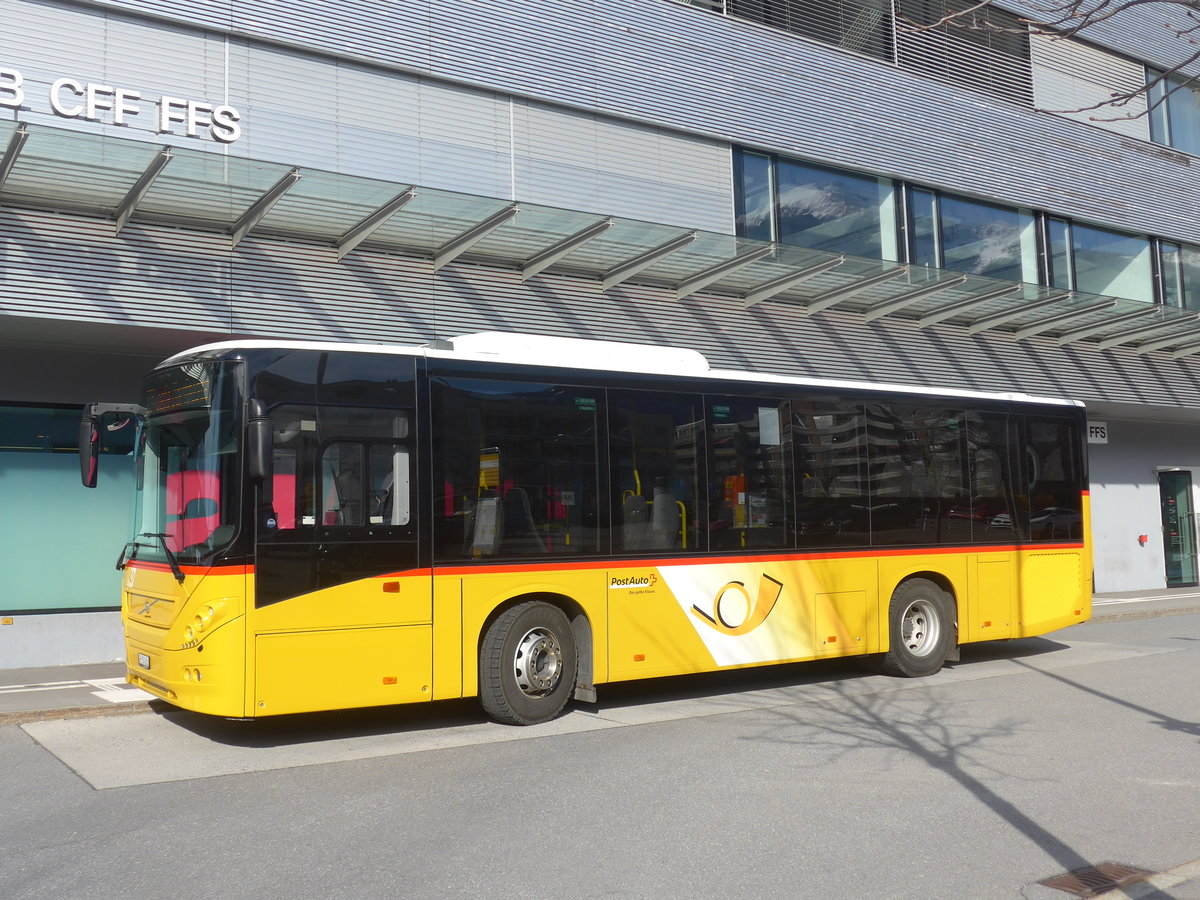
x: 1092, y: 880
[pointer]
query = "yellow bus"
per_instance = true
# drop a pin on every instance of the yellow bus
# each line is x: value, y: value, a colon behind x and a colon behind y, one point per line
x: 323, y: 526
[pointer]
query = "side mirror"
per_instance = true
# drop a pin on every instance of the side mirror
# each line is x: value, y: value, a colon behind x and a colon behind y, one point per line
x: 259, y: 442
x: 89, y: 447
x: 89, y: 435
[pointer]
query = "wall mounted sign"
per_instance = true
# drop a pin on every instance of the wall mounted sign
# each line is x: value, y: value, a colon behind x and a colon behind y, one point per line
x: 92, y: 101
x: 1097, y: 432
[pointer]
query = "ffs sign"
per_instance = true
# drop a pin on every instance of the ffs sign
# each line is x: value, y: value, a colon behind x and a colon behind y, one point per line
x: 1097, y: 432
x: 95, y: 102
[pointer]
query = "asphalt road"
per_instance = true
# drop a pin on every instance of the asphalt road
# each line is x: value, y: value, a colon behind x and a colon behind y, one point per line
x: 1023, y: 762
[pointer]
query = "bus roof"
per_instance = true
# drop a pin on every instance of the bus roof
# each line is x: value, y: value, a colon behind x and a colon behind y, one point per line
x: 509, y: 348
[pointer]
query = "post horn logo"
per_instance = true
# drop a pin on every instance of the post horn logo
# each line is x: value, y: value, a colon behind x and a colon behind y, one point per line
x: 757, y: 611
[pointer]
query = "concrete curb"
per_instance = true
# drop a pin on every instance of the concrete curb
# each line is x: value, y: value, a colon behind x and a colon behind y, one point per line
x: 26, y: 717
x: 1140, y: 614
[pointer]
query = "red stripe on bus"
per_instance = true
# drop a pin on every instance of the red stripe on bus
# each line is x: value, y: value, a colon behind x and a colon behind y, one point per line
x: 191, y: 570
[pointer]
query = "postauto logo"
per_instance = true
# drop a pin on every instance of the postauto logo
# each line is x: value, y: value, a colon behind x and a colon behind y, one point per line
x: 753, y: 612
x: 633, y: 581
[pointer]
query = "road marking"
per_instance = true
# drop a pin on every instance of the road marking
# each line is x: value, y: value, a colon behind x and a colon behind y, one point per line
x: 115, y: 690
x: 1110, y: 601
x: 47, y: 686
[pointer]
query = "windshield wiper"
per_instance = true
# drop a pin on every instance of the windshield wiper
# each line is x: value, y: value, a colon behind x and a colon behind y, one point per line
x: 129, y: 553
x: 171, y: 560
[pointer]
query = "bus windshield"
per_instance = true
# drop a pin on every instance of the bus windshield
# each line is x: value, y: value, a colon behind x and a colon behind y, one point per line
x: 188, y: 465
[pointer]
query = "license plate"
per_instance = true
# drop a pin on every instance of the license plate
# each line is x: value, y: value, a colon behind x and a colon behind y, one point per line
x: 143, y: 660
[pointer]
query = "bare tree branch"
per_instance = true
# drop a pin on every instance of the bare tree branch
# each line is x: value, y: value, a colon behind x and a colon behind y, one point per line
x: 1066, y: 19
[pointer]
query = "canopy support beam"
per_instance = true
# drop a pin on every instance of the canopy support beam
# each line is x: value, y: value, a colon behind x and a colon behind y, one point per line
x: 260, y: 207
x: 141, y: 187
x: 372, y: 222
x: 456, y: 247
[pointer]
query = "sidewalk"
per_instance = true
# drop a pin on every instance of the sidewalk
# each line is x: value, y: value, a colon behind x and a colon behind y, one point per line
x: 67, y: 692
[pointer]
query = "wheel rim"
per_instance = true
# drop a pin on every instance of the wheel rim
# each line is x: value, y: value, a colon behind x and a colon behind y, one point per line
x: 538, y: 662
x: 920, y: 628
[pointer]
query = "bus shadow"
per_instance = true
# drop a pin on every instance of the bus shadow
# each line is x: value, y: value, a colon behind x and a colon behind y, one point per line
x: 325, y: 727
x: 729, y: 687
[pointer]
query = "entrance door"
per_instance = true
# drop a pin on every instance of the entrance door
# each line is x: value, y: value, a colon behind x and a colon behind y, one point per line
x: 1179, y: 527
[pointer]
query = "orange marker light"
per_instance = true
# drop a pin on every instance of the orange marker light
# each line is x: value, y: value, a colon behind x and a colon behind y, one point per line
x: 391, y: 587
x: 832, y: 639
x: 987, y: 624
x: 389, y: 679
x: 639, y: 657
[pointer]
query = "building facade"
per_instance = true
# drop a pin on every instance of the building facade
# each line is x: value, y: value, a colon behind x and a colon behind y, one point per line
x: 809, y: 188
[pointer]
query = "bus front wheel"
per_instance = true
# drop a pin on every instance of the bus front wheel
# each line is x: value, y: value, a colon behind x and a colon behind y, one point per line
x: 527, y: 664
x: 922, y: 629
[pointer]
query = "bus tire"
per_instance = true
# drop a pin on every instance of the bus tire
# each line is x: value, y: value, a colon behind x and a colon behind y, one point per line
x: 921, y: 625
x: 527, y: 664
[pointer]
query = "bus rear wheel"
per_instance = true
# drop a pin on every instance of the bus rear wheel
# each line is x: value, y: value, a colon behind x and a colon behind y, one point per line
x: 922, y: 628
x: 527, y: 664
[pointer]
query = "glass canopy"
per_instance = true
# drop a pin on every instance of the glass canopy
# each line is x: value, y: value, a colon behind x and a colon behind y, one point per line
x: 127, y: 180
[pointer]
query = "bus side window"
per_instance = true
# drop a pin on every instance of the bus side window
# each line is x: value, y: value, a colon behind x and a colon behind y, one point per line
x: 391, y: 489
x: 1055, y: 480
x: 283, y: 488
x: 515, y: 468
x: 656, y: 468
x: 830, y: 442
x: 749, y: 463
x: 342, y: 498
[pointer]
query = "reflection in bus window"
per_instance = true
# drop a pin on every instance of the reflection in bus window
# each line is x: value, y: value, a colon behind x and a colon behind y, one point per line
x: 655, y: 470
x: 918, y: 495
x: 748, y: 451
x: 1055, y: 480
x: 999, y: 501
x: 342, y: 484
x: 193, y: 507
x: 516, y: 466
x: 831, y: 476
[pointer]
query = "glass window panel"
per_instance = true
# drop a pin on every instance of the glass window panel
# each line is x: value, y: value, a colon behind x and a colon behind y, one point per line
x: 981, y: 238
x: 749, y: 447
x: 515, y: 469
x: 292, y: 510
x: 1189, y: 267
x: 999, y: 506
x: 1029, y: 248
x: 832, y: 499
x: 40, y: 429
x: 655, y: 461
x: 390, y: 497
x: 1058, y: 254
x: 1172, y: 277
x: 916, y: 476
x: 1107, y: 262
x: 829, y: 210
x: 1055, y: 481
x: 922, y: 228
x: 1183, y: 111
x: 342, y: 475
x: 1156, y: 94
x: 755, y: 199
x: 888, y: 221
